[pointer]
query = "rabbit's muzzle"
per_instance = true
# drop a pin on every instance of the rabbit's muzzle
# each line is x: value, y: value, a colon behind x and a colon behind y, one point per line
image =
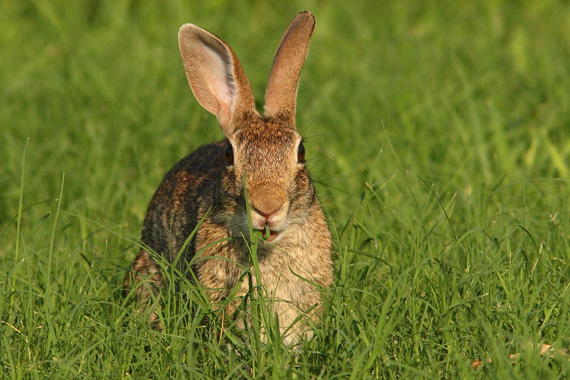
x: 269, y: 206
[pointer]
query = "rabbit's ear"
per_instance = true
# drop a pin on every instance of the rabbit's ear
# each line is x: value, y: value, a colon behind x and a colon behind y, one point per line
x: 281, y: 91
x: 215, y: 75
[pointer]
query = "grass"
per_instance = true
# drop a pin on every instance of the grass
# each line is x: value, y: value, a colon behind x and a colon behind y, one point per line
x: 437, y: 136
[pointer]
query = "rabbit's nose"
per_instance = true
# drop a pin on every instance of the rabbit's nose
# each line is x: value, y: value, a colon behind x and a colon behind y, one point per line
x: 267, y: 210
x: 267, y: 199
x: 273, y: 219
x: 269, y: 203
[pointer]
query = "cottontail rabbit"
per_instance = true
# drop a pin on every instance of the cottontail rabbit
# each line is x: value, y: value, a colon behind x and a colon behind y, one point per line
x: 264, y: 154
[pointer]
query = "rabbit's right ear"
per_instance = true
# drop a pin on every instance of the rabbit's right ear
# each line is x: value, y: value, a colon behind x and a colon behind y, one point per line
x: 215, y: 76
x: 281, y: 90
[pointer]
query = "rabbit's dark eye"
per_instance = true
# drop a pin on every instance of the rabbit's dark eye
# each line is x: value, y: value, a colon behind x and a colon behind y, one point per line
x: 301, y: 154
x: 229, y: 154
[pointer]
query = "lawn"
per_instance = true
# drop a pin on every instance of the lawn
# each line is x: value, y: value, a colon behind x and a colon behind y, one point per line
x: 438, y: 137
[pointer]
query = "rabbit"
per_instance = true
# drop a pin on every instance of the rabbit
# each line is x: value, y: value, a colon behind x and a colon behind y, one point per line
x: 261, y: 154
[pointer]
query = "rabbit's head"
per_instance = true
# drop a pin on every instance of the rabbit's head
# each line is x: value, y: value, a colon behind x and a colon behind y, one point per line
x: 263, y: 153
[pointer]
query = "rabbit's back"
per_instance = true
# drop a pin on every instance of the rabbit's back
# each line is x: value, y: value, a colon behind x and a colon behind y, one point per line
x: 186, y: 192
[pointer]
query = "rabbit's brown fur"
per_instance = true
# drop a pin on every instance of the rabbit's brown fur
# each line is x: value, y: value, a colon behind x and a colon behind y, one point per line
x: 262, y: 154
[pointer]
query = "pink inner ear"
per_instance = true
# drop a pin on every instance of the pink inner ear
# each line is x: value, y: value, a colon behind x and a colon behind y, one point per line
x: 219, y: 80
x: 215, y: 75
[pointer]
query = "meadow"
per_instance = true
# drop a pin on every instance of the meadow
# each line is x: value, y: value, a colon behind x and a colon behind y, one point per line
x: 438, y: 137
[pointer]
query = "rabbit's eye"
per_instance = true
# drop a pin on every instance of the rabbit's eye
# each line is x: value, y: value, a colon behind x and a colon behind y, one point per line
x: 301, y: 154
x: 229, y: 154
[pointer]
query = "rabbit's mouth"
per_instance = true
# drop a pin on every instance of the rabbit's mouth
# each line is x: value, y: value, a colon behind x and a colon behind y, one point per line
x: 268, y: 235
x: 272, y: 234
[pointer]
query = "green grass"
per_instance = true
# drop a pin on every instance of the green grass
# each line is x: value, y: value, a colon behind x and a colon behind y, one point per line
x: 439, y: 138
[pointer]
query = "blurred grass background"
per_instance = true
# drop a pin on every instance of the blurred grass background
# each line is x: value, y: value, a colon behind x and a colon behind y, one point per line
x: 438, y: 136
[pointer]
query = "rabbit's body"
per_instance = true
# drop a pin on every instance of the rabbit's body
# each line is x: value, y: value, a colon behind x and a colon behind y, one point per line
x: 265, y: 155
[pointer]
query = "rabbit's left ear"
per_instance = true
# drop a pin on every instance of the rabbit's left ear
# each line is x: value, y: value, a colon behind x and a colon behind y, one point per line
x: 281, y: 91
x: 215, y: 76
